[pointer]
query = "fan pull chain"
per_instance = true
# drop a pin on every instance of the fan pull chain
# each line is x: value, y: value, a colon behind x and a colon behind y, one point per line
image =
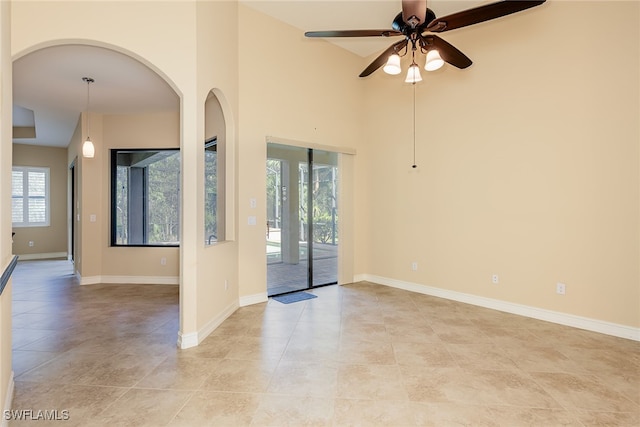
x: 414, y: 126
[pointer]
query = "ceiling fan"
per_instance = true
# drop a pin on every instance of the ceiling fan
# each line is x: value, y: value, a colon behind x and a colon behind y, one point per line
x: 417, y: 23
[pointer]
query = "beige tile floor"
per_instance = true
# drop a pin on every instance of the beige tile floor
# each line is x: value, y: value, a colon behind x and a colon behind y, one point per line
x: 360, y: 354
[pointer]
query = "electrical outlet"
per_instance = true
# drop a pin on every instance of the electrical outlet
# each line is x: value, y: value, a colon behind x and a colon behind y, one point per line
x: 31, y: 243
x: 495, y: 279
x: 163, y: 261
x: 561, y: 288
x: 414, y: 266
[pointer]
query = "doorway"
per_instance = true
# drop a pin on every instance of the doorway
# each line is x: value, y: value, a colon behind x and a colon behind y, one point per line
x: 302, y: 218
x: 73, y: 213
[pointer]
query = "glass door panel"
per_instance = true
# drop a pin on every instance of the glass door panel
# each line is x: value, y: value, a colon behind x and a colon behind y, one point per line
x: 274, y: 211
x: 287, y: 259
x: 324, y: 212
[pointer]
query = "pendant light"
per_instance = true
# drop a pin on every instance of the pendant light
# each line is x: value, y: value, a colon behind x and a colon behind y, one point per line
x: 88, y: 150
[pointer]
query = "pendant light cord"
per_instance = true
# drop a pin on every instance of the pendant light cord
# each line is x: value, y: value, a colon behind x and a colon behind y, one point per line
x: 87, y: 118
x: 89, y: 80
x: 414, y: 126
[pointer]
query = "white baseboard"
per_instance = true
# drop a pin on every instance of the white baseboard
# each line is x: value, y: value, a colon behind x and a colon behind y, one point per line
x: 211, y: 325
x: 360, y: 278
x: 8, y: 400
x: 600, y: 326
x: 187, y: 340
x: 50, y: 255
x: 88, y: 280
x: 127, y: 280
x: 253, y: 299
x: 192, y: 339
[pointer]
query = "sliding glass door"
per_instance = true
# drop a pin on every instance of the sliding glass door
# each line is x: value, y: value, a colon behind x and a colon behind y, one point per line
x: 302, y: 236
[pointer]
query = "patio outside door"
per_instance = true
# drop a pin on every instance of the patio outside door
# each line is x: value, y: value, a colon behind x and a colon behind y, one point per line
x: 302, y: 220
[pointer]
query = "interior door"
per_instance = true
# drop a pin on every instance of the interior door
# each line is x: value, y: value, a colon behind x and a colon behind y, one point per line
x: 74, y: 212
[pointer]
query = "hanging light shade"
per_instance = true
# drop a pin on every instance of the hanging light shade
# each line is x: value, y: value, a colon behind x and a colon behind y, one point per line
x: 393, y: 65
x: 434, y: 61
x: 413, y: 74
x: 88, y: 150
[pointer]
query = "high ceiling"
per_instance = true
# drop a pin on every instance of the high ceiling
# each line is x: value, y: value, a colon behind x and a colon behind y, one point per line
x: 48, y: 91
x: 314, y: 15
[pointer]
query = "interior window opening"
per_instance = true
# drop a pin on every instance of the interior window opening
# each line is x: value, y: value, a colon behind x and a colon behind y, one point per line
x: 145, y: 197
x: 211, y: 190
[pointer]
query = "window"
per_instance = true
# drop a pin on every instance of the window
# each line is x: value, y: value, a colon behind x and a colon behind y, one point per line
x: 211, y: 190
x: 215, y: 170
x: 145, y: 197
x: 30, y: 197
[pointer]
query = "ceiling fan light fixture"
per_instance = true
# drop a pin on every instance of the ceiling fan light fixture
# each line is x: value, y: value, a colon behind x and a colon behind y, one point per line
x: 434, y: 61
x: 413, y: 74
x: 88, y: 150
x: 393, y: 65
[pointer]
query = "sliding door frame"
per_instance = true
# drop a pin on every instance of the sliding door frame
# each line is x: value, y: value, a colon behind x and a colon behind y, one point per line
x: 346, y: 205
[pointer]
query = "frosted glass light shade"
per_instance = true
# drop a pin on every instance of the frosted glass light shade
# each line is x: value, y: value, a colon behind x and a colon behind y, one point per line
x: 434, y: 61
x: 413, y: 74
x: 88, y: 150
x: 393, y: 65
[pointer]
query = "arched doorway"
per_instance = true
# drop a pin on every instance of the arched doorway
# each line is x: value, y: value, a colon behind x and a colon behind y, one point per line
x: 131, y: 106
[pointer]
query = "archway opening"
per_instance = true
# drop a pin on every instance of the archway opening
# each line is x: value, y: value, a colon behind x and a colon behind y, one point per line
x: 132, y: 106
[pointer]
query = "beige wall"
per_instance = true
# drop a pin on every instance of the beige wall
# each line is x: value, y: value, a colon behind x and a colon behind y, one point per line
x: 528, y: 166
x: 91, y: 202
x: 291, y: 89
x: 95, y: 259
x: 73, y: 212
x: 160, y: 130
x: 51, y: 239
x: 217, y: 71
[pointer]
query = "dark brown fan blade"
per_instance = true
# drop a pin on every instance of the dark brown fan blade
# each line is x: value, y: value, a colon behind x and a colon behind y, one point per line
x: 480, y: 14
x: 448, y: 52
x: 414, y: 8
x: 380, y: 60
x: 353, y: 33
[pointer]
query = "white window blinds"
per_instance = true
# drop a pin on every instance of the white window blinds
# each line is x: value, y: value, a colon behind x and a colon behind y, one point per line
x: 30, y: 197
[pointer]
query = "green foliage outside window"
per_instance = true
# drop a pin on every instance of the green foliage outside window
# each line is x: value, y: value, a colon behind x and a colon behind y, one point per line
x: 211, y: 191
x: 145, y: 197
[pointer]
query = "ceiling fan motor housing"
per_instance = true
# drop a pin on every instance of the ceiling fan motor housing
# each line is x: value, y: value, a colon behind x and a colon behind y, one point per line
x: 400, y: 25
